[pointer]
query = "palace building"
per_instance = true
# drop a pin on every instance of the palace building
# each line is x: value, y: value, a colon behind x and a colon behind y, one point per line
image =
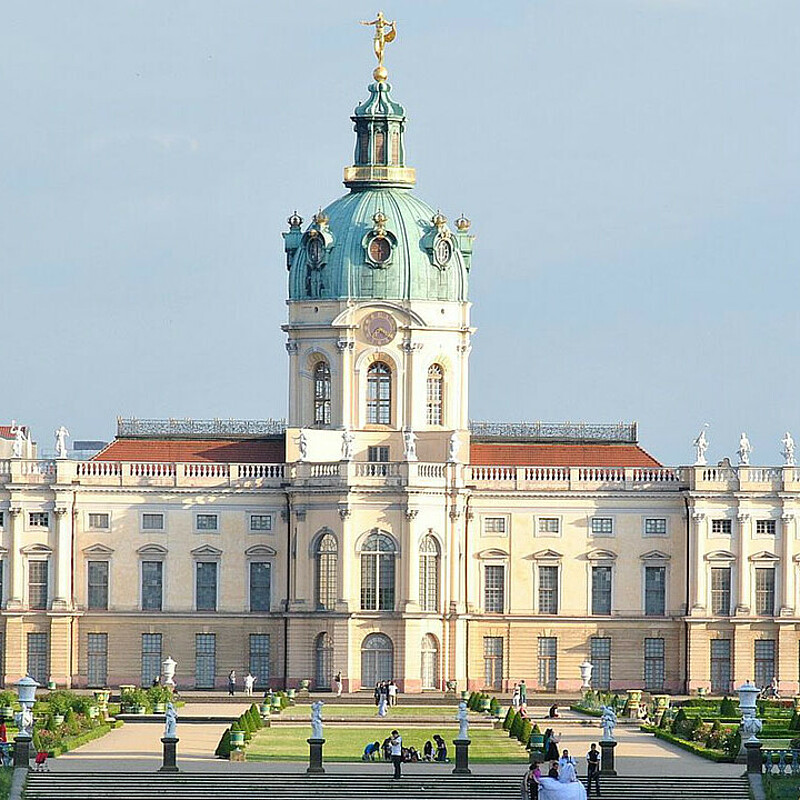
x: 380, y: 533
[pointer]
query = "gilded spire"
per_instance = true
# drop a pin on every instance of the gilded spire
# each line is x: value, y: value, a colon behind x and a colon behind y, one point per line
x: 385, y: 32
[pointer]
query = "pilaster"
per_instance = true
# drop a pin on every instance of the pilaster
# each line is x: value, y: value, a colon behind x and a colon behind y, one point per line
x: 743, y: 587
x: 62, y: 600
x: 16, y: 561
x: 697, y: 579
x: 787, y: 565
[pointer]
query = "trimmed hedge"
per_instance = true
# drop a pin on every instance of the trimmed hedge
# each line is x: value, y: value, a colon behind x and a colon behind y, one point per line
x: 693, y: 747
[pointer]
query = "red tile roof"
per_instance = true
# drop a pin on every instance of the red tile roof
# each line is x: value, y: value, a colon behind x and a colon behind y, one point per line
x: 243, y: 451
x: 539, y: 454
x: 5, y: 431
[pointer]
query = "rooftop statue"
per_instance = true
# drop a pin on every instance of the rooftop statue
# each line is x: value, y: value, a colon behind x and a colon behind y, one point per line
x: 788, y: 449
x: 382, y: 37
x: 61, y: 442
x: 700, y: 446
x: 745, y: 448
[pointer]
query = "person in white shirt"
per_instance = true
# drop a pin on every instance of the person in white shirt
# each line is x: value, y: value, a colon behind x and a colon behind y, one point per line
x: 249, y: 682
x: 392, y: 693
x: 396, y: 743
x: 566, y: 768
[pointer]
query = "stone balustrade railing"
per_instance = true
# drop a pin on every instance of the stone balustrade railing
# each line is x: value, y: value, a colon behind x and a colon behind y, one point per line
x: 781, y: 762
x: 566, y: 478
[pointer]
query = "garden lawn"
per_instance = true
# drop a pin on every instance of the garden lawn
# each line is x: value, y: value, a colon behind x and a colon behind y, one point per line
x: 6, y: 774
x: 343, y: 711
x: 347, y: 743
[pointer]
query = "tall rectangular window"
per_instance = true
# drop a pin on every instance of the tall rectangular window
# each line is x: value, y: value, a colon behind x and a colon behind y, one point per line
x: 600, y: 657
x: 765, y: 591
x: 548, y: 648
x: 99, y: 522
x: 655, y: 590
x: 38, y: 585
x: 152, y: 585
x: 601, y: 590
x: 37, y: 657
x: 721, y: 591
x: 260, y: 572
x: 205, y: 660
x: 151, y: 657
x: 764, y: 652
x: 494, y: 588
x: 493, y: 662
x: 720, y: 666
x: 207, y: 522
x: 97, y: 599
x: 259, y: 657
x: 206, y: 586
x: 97, y: 659
x: 548, y: 590
x: 654, y: 664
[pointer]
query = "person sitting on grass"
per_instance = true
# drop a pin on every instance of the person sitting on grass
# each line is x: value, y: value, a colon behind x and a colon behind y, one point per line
x: 413, y: 755
x: 427, y: 751
x: 387, y: 748
x: 441, y: 748
x: 371, y: 751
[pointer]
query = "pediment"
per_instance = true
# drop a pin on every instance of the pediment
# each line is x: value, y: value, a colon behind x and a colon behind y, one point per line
x: 765, y: 555
x: 492, y: 552
x: 98, y: 549
x: 152, y: 549
x: 260, y: 550
x: 601, y: 555
x: 37, y: 549
x: 206, y: 551
x: 655, y: 555
x: 548, y: 554
x: 720, y: 555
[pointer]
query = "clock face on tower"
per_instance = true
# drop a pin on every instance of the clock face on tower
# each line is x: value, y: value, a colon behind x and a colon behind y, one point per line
x: 380, y: 250
x: 379, y: 328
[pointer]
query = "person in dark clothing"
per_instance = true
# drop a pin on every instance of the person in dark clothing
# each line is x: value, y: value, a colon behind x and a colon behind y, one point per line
x: 441, y: 748
x: 377, y: 693
x: 387, y: 748
x: 593, y: 770
x: 427, y: 751
x: 551, y: 745
x: 553, y: 773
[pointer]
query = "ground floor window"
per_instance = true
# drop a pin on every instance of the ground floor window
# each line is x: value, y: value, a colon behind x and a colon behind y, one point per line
x: 151, y: 657
x: 377, y: 659
x: 205, y: 660
x: 323, y: 661
x: 764, y: 653
x: 720, y: 666
x: 493, y: 662
x: 430, y: 662
x: 97, y: 659
x: 259, y: 658
x: 37, y: 657
x: 548, y: 647
x: 600, y: 657
x: 654, y: 664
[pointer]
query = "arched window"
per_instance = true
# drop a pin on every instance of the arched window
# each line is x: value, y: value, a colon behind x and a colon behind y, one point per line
x: 379, y: 394
x: 327, y: 555
x: 380, y: 147
x: 395, y: 148
x: 322, y: 393
x: 377, y: 659
x: 435, y: 395
x: 430, y: 662
x: 377, y: 573
x: 429, y: 574
x: 323, y: 661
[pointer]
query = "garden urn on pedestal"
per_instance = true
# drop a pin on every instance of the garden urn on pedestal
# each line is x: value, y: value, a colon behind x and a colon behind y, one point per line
x: 586, y: 674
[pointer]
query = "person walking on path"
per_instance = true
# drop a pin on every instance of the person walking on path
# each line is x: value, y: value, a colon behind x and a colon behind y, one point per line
x: 523, y: 693
x: 249, y: 683
x: 392, y: 690
x: 530, y: 782
x: 593, y: 770
x: 397, y: 754
x: 337, y: 684
x: 231, y: 682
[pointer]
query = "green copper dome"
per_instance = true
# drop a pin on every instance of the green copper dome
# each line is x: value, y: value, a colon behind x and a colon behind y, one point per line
x: 379, y: 241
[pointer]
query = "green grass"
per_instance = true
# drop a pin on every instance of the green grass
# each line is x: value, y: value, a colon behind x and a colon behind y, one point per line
x: 6, y: 774
x: 342, y: 743
x: 345, y: 711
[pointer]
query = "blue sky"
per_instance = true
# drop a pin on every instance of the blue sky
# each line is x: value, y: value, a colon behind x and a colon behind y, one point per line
x: 630, y: 166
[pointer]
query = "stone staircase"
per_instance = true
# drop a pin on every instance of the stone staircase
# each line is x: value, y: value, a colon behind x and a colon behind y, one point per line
x: 352, y: 786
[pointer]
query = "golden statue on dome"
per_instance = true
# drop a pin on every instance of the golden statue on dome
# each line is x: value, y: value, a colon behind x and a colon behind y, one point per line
x: 382, y: 36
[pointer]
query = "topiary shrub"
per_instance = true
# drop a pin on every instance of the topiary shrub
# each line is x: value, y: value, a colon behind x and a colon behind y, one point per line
x: 525, y: 731
x: 224, y: 747
x: 508, y: 719
x: 513, y: 729
x: 680, y: 719
x: 494, y: 707
x: 727, y: 708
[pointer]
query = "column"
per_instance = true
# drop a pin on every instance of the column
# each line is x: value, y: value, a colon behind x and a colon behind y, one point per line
x: 347, y: 561
x: 295, y: 388
x: 743, y: 589
x: 787, y: 565
x: 346, y: 414
x: 698, y: 584
x: 62, y: 600
x: 15, y: 561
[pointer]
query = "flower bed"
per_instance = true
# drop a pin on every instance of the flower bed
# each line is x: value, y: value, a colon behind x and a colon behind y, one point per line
x: 712, y: 754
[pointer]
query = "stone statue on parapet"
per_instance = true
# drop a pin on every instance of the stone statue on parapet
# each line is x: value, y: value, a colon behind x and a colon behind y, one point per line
x: 348, y: 437
x: 452, y: 450
x: 745, y: 448
x: 410, y: 445
x: 788, y: 449
x: 18, y: 432
x: 608, y: 721
x: 61, y: 435
x: 316, y: 719
x: 700, y: 446
x: 302, y: 445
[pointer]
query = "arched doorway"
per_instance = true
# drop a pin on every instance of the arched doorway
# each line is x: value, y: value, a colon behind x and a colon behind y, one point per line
x: 377, y: 659
x: 323, y: 661
x: 430, y: 662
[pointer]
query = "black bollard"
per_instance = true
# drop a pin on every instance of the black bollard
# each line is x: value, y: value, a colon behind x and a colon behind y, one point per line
x: 315, y: 757
x: 607, y: 756
x: 462, y: 757
x: 22, y: 751
x: 170, y: 758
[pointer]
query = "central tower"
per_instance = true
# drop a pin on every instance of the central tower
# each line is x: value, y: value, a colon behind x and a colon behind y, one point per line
x: 379, y: 329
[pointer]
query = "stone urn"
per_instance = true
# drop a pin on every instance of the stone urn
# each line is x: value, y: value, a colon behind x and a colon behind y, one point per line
x: 586, y: 674
x: 168, y: 671
x: 751, y: 727
x: 634, y: 698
